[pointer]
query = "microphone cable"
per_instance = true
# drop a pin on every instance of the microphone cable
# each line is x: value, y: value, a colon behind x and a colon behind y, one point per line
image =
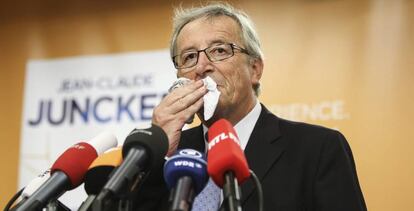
x: 259, y: 189
x: 13, y: 199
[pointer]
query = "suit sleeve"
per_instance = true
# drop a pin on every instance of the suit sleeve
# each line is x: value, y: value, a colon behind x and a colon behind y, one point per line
x: 336, y: 185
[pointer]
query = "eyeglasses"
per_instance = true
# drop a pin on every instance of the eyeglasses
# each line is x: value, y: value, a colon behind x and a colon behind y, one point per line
x: 214, y: 53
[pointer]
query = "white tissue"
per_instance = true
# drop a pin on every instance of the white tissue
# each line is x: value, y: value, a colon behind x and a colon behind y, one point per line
x: 211, y: 98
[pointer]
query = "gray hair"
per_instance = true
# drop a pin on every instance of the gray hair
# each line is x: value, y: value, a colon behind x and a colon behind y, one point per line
x: 249, y: 35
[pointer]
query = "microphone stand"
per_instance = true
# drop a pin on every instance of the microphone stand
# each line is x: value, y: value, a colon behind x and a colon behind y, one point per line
x: 121, y: 201
x: 125, y: 204
x: 56, y: 205
x: 231, y: 193
x: 182, y: 196
x: 87, y: 204
x: 109, y: 204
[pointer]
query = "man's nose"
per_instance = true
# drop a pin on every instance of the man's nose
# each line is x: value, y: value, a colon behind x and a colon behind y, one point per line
x: 203, y: 65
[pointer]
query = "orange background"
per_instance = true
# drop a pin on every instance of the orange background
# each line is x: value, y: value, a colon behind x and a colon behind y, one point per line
x: 353, y: 53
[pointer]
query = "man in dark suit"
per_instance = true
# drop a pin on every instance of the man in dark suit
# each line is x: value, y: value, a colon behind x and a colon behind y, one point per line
x: 300, y: 166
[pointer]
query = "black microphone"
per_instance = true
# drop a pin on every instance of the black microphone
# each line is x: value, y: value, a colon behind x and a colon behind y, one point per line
x: 143, y: 149
x: 186, y: 175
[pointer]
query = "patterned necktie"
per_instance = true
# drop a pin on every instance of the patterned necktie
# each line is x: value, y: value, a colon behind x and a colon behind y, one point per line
x: 208, y: 199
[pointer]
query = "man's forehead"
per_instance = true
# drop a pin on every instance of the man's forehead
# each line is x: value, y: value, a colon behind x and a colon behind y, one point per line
x: 219, y: 29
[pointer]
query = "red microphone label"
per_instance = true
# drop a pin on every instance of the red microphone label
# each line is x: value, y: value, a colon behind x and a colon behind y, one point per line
x: 223, y: 136
x: 78, y: 146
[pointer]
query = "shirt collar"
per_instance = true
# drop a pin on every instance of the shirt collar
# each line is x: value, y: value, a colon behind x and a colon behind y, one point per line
x: 244, y: 127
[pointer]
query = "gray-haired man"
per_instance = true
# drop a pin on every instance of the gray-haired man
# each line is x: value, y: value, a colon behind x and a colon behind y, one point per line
x: 300, y: 166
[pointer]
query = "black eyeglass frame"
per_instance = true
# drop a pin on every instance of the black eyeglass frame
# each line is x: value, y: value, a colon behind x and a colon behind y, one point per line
x: 232, y: 45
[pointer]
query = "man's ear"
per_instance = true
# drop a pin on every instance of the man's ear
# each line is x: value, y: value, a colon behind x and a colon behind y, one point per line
x: 257, y: 70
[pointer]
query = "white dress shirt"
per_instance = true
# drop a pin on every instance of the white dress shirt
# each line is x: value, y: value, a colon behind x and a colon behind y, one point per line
x: 244, y: 127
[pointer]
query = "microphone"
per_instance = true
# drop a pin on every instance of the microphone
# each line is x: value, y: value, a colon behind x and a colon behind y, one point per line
x: 35, y: 184
x: 143, y: 149
x: 186, y: 175
x: 226, y: 162
x: 68, y: 170
x: 32, y: 187
x: 98, y: 174
x: 100, y: 170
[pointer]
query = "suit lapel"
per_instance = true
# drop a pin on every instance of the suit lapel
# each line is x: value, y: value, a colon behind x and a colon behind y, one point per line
x: 263, y: 149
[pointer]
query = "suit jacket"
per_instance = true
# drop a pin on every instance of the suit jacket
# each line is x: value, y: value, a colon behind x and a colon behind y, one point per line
x: 300, y: 167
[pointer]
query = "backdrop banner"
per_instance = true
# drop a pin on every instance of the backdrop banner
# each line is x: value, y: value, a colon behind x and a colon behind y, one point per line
x: 73, y: 99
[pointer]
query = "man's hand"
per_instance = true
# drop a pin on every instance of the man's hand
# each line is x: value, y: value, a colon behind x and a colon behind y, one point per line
x: 174, y: 110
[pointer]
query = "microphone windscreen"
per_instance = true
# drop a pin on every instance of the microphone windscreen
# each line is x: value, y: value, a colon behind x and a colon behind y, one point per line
x: 186, y: 162
x: 103, y: 142
x: 225, y: 153
x: 74, y: 162
x: 112, y: 157
x: 100, y: 170
x: 153, y: 140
